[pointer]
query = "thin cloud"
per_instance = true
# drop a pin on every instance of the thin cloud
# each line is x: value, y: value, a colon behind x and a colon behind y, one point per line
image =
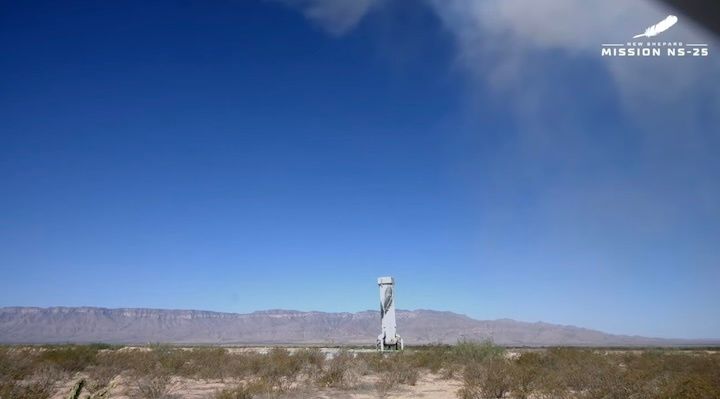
x: 337, y: 17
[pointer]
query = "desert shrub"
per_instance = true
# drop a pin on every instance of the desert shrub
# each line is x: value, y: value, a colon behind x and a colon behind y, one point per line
x: 272, y: 373
x: 454, y: 360
x: 690, y: 386
x: 241, y: 365
x: 280, y: 363
x: 205, y: 363
x: 17, y: 390
x: 682, y: 375
x: 433, y: 357
x: 99, y: 376
x: 608, y: 381
x: 311, y: 361
x: 399, y: 366
x: 170, y: 361
x: 395, y: 369
x: 38, y: 385
x: 591, y: 374
x: 246, y: 390
x: 108, y: 364
x: 567, y: 372
x: 487, y: 379
x: 16, y: 363
x: 312, y: 357
x: 156, y: 387
x: 160, y: 360
x: 657, y: 374
x: 136, y: 362
x: 571, y: 369
x: 70, y: 358
x: 369, y: 363
x: 239, y: 392
x: 484, y: 368
x: 469, y: 352
x: 279, y: 369
x: 338, y: 372
x: 526, y: 375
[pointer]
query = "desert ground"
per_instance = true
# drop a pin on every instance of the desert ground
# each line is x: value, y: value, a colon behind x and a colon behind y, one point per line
x: 467, y: 370
x: 427, y: 386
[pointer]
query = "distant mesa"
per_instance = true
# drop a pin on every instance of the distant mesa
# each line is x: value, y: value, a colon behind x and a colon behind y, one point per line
x: 138, y: 325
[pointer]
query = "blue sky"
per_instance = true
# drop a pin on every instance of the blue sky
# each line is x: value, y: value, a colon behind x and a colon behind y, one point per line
x: 247, y: 155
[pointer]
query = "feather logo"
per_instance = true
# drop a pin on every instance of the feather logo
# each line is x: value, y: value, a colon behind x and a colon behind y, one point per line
x: 659, y: 27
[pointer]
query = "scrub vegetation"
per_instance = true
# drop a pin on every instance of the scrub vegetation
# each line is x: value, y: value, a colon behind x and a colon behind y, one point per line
x: 481, y: 370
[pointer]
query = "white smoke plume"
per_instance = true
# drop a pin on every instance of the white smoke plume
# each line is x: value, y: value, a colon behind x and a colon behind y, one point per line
x: 513, y: 47
x: 657, y: 174
x: 496, y: 37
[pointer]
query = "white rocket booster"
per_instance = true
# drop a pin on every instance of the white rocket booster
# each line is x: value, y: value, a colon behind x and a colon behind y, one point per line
x: 388, y: 338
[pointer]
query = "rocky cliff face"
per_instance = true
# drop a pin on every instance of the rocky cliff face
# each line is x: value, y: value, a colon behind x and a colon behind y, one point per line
x: 87, y: 324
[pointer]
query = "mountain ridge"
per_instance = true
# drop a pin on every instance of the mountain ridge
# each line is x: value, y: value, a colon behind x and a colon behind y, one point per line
x: 85, y: 324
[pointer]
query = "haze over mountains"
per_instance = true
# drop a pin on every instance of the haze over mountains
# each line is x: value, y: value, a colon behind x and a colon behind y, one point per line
x: 88, y: 324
